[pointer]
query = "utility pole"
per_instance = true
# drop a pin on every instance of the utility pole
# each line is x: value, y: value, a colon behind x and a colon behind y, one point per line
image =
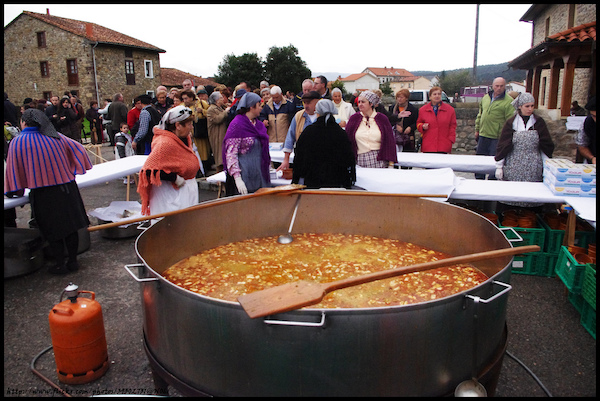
x: 476, y: 40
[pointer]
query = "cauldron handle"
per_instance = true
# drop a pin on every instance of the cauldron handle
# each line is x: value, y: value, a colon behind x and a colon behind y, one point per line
x: 518, y: 239
x: 139, y: 280
x: 293, y: 323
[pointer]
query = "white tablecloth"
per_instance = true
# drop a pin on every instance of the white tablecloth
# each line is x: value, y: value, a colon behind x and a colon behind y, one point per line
x: 463, y: 163
x: 98, y: 174
x: 444, y: 181
x: 389, y: 180
x: 493, y: 190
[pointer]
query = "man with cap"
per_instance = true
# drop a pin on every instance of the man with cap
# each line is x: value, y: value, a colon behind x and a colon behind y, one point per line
x: 149, y: 117
x: 307, y: 86
x: 301, y: 120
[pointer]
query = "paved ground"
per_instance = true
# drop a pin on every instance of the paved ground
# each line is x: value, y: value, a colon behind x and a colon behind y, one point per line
x: 544, y: 328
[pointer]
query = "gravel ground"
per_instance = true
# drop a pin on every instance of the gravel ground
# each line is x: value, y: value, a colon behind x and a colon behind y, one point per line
x: 544, y: 329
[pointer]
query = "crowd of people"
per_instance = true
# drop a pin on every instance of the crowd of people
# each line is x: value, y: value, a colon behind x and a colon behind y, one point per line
x: 190, y: 131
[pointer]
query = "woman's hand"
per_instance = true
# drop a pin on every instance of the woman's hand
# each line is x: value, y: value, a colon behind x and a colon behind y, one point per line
x: 179, y: 181
x: 425, y: 126
x: 241, y: 186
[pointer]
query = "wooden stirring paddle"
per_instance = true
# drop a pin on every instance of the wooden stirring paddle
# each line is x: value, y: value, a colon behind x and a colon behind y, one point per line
x: 290, y: 296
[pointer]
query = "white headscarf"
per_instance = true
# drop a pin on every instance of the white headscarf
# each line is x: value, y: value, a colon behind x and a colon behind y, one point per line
x: 173, y: 115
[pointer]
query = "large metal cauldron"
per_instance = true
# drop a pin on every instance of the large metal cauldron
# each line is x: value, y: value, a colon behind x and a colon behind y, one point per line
x: 424, y: 349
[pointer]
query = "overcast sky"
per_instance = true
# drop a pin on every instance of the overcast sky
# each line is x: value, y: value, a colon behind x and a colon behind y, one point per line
x: 330, y: 38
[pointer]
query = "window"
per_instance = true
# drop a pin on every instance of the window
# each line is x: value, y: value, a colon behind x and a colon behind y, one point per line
x: 47, y: 95
x: 543, y: 99
x: 72, y: 74
x: 129, y: 53
x: 150, y: 93
x: 41, y: 39
x: 148, y: 69
x: 129, y: 72
x: 44, y: 69
x: 547, y: 28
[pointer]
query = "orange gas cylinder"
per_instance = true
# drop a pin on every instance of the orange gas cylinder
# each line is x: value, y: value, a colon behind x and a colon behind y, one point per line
x: 78, y: 340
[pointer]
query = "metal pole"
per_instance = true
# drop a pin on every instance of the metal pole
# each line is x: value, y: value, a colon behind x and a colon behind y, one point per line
x: 476, y: 40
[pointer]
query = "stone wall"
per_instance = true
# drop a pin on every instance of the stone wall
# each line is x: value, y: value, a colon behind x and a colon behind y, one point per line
x: 22, y: 76
x: 558, y: 14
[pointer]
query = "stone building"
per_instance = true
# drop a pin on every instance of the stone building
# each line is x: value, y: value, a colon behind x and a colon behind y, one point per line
x: 561, y: 64
x: 45, y: 55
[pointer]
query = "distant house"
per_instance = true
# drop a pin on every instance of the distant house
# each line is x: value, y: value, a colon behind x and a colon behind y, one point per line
x: 45, y: 55
x: 561, y: 64
x: 173, y: 78
x: 360, y: 82
x: 409, y: 83
x: 387, y: 74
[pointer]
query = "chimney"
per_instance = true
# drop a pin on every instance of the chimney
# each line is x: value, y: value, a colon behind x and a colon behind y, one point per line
x: 48, y: 11
x: 88, y: 30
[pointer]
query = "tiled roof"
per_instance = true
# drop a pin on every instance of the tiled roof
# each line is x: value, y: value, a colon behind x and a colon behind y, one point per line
x: 354, y: 77
x: 93, y: 32
x: 390, y: 72
x: 580, y: 33
x: 173, y: 77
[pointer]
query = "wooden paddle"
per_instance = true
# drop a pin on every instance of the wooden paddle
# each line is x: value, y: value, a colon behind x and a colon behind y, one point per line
x: 290, y: 296
x: 259, y: 192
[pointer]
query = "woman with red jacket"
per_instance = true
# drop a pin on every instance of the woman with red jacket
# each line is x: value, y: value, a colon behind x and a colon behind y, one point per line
x: 437, y: 124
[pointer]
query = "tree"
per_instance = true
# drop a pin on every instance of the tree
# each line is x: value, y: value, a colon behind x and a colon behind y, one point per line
x: 452, y: 82
x: 284, y: 68
x: 234, y: 69
x: 386, y: 89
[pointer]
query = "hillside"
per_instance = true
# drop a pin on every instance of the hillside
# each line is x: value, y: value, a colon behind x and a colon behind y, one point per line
x: 485, y: 73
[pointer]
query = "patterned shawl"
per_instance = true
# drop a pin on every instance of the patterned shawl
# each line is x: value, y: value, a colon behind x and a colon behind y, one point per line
x: 170, y: 155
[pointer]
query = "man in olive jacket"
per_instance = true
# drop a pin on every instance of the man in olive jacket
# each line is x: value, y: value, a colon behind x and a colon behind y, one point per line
x: 494, y: 109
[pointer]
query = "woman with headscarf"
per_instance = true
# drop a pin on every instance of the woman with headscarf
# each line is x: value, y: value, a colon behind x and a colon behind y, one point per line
x: 168, y: 177
x: 323, y: 156
x: 523, y: 145
x: 343, y: 110
x: 246, y: 157
x: 216, y: 117
x: 437, y: 124
x: 371, y: 134
x: 46, y: 162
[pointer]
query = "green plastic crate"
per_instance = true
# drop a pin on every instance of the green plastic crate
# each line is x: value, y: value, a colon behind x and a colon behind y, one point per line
x: 569, y: 271
x: 531, y: 236
x: 545, y: 263
x: 588, y: 319
x: 523, y: 264
x: 577, y: 301
x: 554, y: 238
x: 588, y: 288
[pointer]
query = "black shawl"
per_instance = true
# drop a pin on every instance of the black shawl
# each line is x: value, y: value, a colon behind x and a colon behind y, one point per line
x: 324, y: 156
